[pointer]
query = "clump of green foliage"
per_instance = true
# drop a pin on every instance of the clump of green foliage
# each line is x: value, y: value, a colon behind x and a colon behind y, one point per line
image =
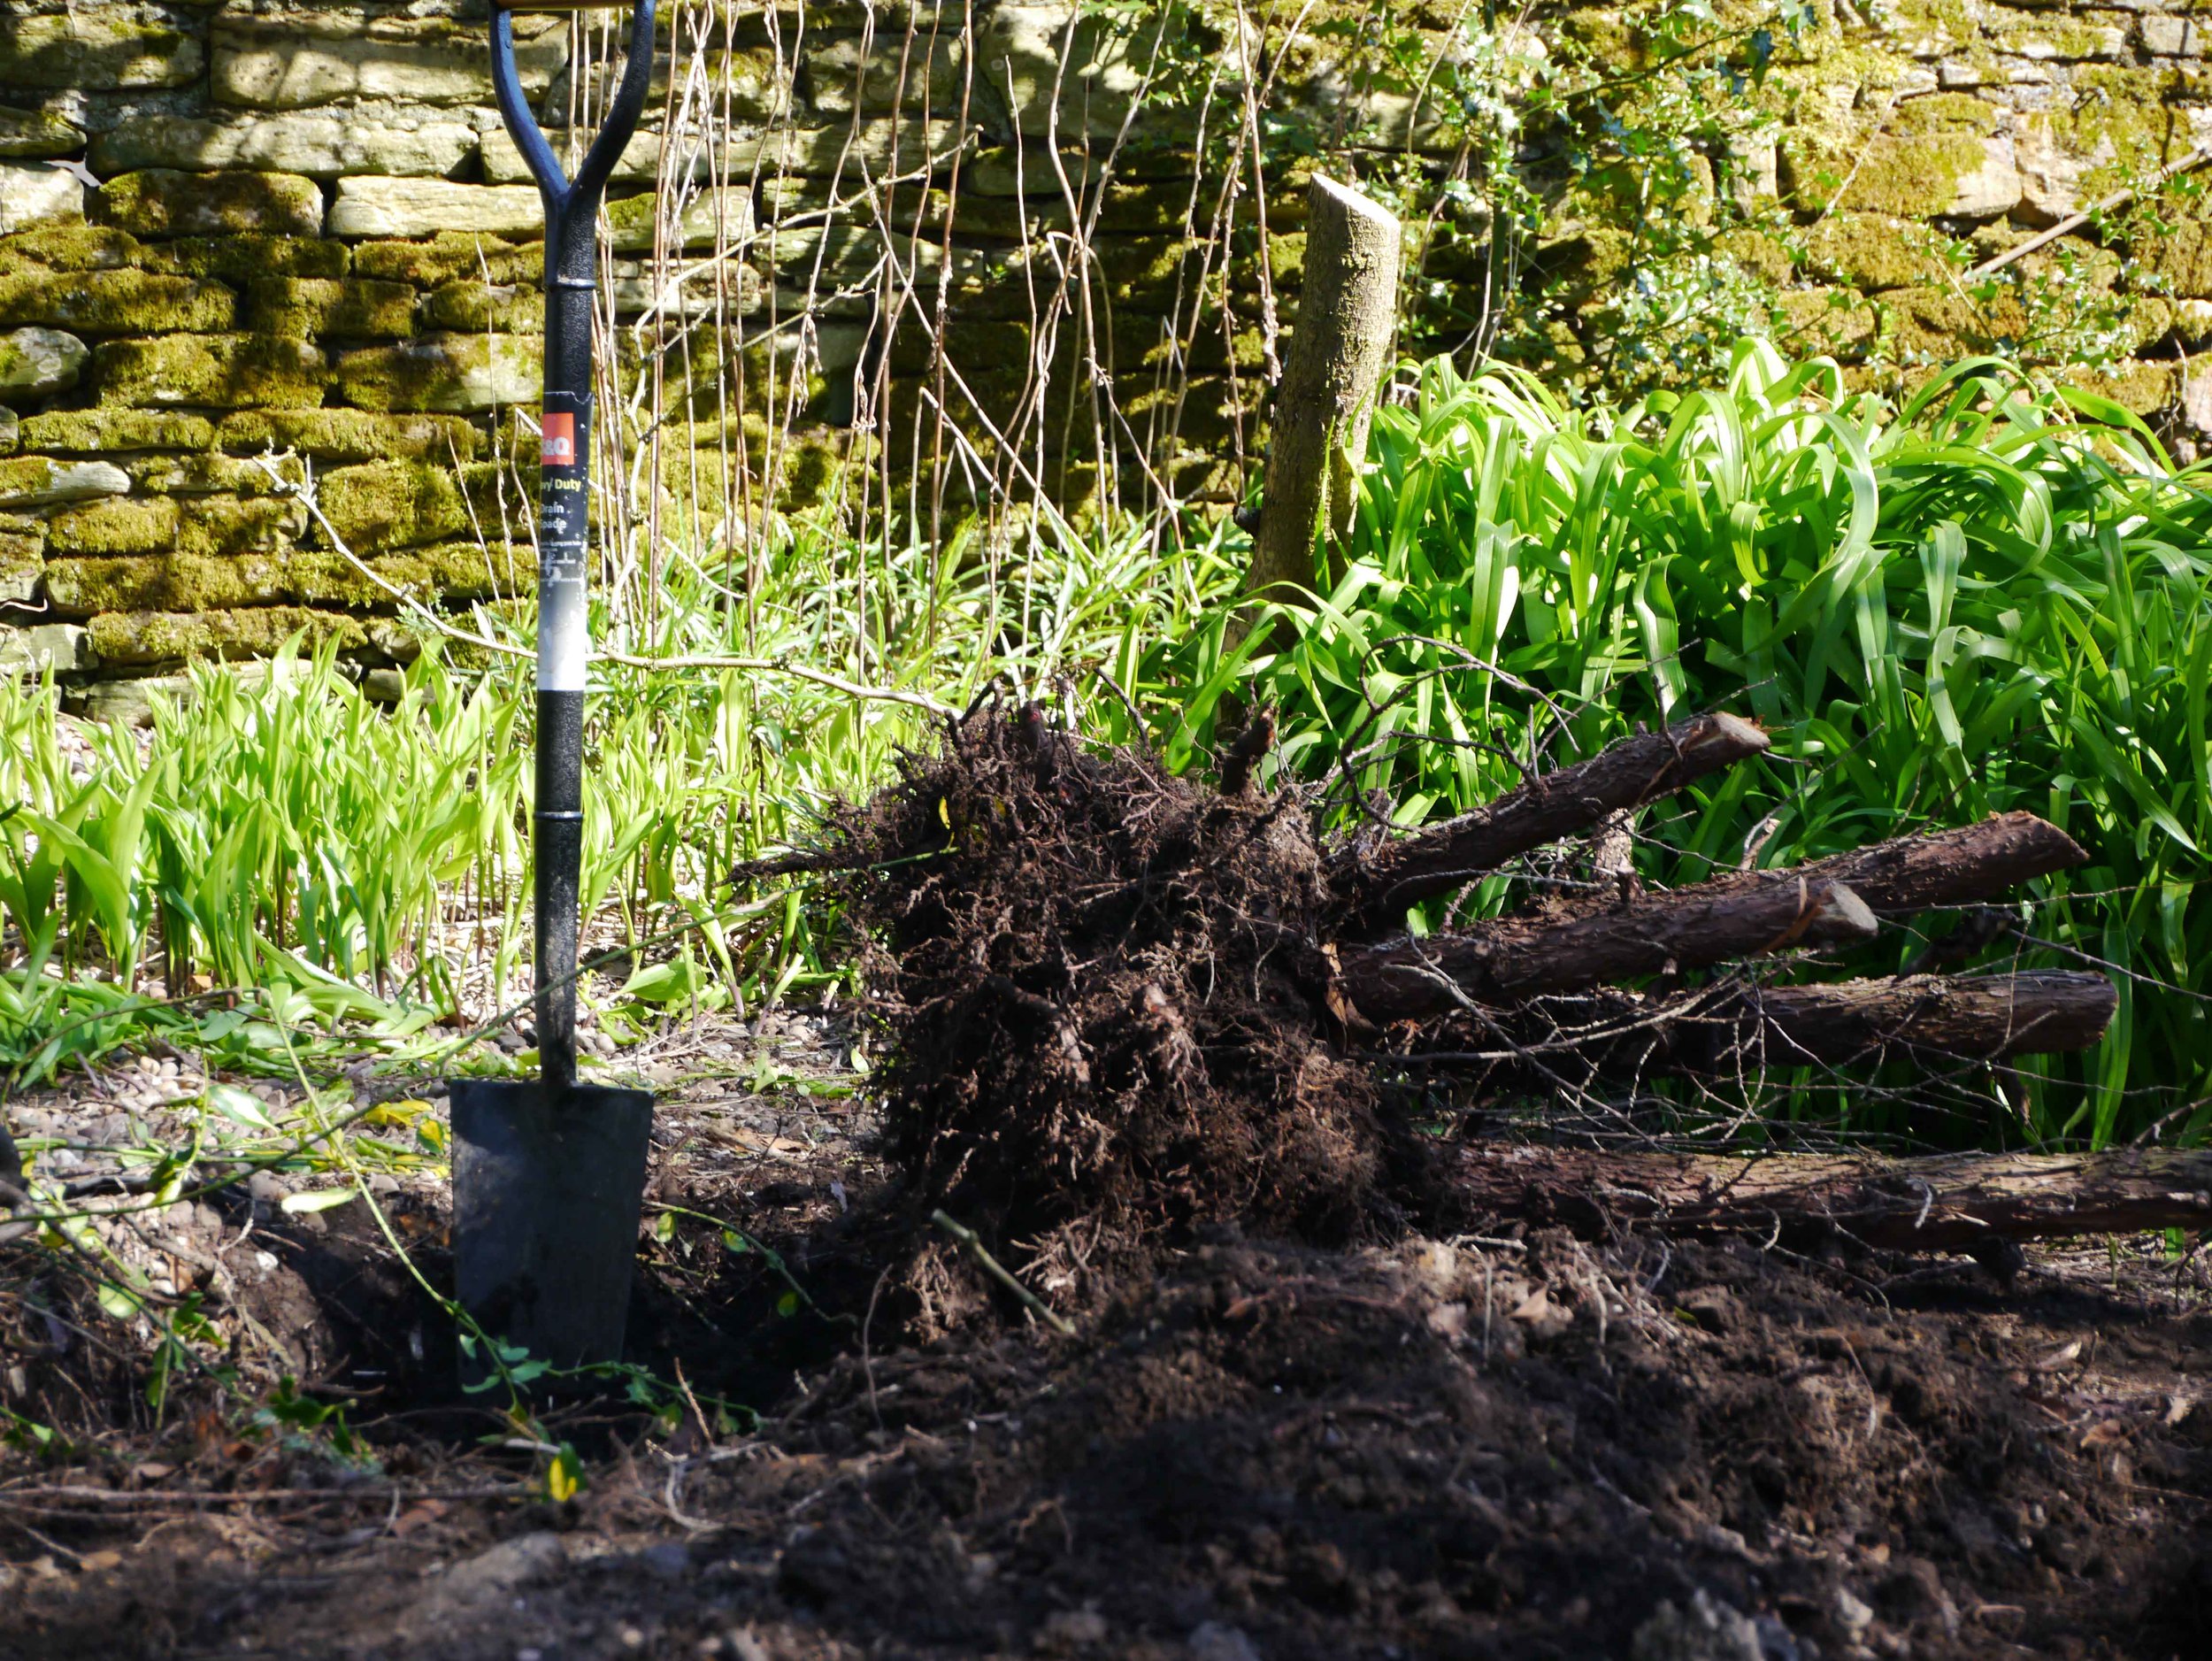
x: 1997, y: 596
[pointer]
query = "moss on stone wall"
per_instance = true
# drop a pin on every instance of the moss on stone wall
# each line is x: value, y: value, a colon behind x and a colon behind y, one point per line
x: 391, y: 503
x: 119, y: 525
x: 1872, y: 252
x: 165, y: 582
x: 451, y: 256
x: 240, y: 259
x: 330, y: 308
x: 224, y: 371
x: 97, y: 432
x: 68, y: 246
x: 203, y: 525
x: 200, y: 474
x: 351, y: 435
x: 160, y: 202
x: 149, y: 637
x: 468, y: 304
x: 115, y: 303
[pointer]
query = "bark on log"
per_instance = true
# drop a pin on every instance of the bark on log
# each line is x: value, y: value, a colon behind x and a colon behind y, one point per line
x: 1948, y: 867
x: 1515, y: 959
x: 1379, y: 884
x: 1347, y: 319
x: 1952, y: 1202
x: 1979, y: 1017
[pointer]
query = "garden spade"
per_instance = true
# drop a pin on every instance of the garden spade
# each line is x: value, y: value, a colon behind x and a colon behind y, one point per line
x: 548, y: 1176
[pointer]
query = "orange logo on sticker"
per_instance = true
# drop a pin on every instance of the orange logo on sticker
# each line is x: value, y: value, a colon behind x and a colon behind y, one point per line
x: 558, y: 448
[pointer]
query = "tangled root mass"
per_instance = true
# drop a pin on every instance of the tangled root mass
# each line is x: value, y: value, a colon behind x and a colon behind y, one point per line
x: 1106, y: 995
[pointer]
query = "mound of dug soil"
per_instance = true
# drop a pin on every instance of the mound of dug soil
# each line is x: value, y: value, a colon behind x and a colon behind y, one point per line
x: 1282, y: 1453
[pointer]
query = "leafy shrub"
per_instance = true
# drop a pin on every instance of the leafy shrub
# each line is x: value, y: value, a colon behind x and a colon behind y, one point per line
x: 1995, y: 597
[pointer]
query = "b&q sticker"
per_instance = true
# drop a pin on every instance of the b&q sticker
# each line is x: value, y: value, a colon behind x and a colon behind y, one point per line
x: 558, y: 448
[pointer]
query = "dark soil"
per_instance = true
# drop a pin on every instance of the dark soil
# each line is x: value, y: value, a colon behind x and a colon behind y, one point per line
x: 1249, y: 1449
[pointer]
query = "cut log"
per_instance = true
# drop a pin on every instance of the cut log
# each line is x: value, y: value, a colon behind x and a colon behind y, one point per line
x: 1332, y: 373
x: 1977, y: 1017
x: 1378, y: 883
x: 1515, y: 959
x: 1952, y: 1202
x: 1962, y: 866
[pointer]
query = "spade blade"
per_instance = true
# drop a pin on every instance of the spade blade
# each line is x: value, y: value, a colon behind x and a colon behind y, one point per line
x: 547, y: 1186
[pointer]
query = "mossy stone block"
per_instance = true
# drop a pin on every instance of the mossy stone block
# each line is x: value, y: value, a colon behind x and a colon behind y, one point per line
x: 35, y: 363
x: 73, y: 247
x: 2143, y: 388
x: 1870, y: 251
x: 116, y: 303
x: 240, y: 259
x: 97, y: 48
x: 1826, y: 322
x: 442, y: 372
x: 162, y: 201
x: 334, y: 308
x: 201, y: 474
x: 448, y: 570
x: 1934, y: 176
x: 169, y: 582
x: 37, y: 134
x: 450, y: 256
x: 206, y: 524
x: 100, y: 431
x: 119, y: 525
x: 479, y: 307
x: 2184, y: 260
x: 392, y: 503
x: 1762, y: 256
x: 22, y: 560
x: 173, y: 582
x: 159, y: 636
x: 29, y: 482
x: 352, y: 435
x: 210, y: 371
x: 1945, y: 112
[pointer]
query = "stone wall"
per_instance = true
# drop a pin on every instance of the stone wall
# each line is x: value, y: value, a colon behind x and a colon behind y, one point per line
x: 233, y: 230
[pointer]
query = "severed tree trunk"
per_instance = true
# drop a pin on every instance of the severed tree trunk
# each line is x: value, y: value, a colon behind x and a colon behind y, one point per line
x: 1347, y: 319
x: 1944, y: 868
x: 1949, y: 1203
x: 1984, y: 1017
x: 1515, y: 959
x: 1378, y: 883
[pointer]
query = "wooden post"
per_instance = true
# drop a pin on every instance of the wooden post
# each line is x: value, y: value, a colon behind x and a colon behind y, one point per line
x: 1348, y: 316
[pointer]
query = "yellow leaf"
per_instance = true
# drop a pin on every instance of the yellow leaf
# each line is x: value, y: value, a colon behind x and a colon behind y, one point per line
x: 564, y: 1476
x: 404, y: 1112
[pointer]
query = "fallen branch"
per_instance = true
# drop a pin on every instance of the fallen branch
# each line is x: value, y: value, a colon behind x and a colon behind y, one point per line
x: 1961, y: 866
x: 1515, y: 959
x: 1378, y: 883
x: 1950, y: 1202
x: 1980, y: 1017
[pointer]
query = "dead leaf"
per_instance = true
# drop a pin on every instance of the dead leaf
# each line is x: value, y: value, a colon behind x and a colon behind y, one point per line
x: 2058, y: 1357
x: 2103, y: 1435
x: 419, y: 1514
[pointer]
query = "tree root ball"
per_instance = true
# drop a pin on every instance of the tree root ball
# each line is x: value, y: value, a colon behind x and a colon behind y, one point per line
x: 1105, y: 997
